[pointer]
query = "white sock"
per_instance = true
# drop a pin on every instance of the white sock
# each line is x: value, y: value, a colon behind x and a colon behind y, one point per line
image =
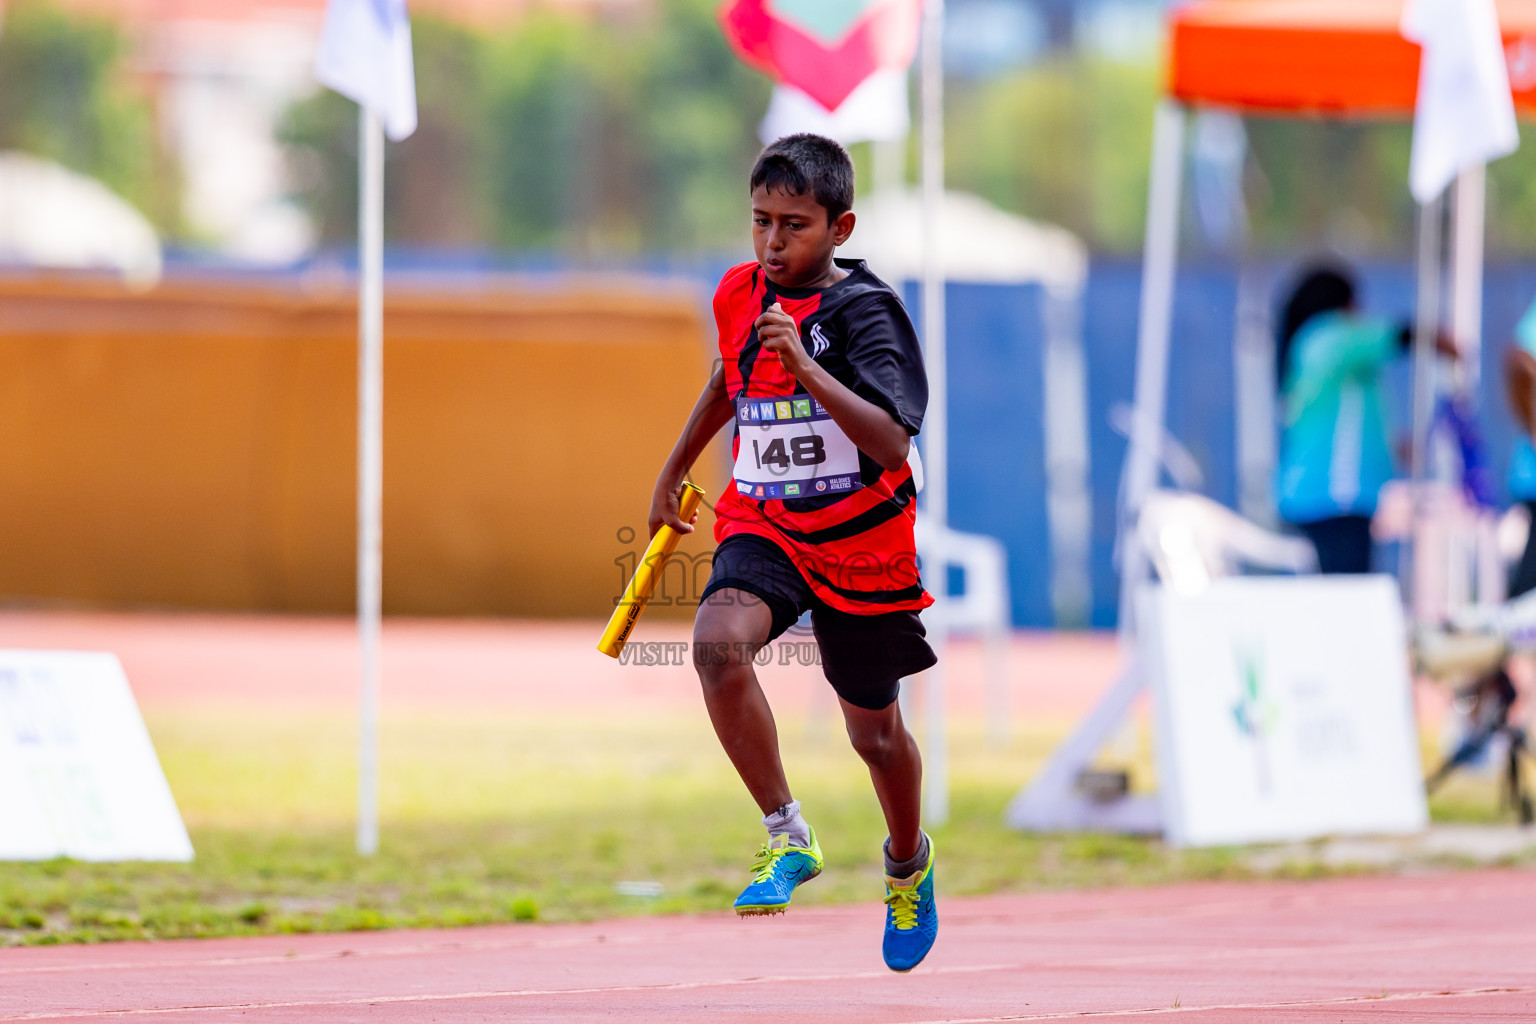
x: 786, y: 821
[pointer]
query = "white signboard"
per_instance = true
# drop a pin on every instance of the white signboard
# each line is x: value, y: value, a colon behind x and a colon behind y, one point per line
x: 78, y: 773
x: 1283, y: 710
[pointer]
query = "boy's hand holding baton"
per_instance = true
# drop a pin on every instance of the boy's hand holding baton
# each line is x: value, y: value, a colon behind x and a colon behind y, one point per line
x: 680, y: 509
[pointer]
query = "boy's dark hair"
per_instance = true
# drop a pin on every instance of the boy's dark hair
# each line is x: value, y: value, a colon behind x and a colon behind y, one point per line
x: 1321, y: 288
x: 800, y: 164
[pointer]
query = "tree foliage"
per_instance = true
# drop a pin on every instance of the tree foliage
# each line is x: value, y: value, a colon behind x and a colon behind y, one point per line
x: 65, y: 95
x: 632, y: 132
x: 588, y: 136
x: 1064, y: 141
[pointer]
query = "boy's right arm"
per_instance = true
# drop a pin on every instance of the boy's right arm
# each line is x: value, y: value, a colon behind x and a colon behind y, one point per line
x: 712, y: 411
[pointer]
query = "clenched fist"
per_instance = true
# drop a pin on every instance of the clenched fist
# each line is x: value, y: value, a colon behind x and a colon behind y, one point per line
x: 780, y: 335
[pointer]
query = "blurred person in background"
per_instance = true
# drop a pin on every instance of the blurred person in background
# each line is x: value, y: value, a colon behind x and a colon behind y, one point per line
x: 1335, y: 453
x: 1520, y: 387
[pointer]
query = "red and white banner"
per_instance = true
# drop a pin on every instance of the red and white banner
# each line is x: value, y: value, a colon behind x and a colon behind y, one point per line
x: 824, y: 48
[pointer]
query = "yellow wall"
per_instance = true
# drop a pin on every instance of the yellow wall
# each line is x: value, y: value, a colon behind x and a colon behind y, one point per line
x: 196, y: 446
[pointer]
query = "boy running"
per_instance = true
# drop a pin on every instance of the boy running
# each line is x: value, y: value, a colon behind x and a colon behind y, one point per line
x: 822, y: 374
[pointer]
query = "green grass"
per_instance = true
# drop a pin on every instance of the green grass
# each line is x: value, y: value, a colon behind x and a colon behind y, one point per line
x: 495, y: 817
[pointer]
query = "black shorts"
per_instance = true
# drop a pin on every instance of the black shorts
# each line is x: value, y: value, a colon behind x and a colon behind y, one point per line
x: 864, y: 657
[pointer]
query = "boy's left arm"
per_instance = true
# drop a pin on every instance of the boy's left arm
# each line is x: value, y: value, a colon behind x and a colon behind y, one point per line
x: 872, y: 429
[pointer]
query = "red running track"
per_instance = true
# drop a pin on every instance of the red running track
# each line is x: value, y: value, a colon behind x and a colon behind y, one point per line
x: 181, y: 659
x: 1441, y: 948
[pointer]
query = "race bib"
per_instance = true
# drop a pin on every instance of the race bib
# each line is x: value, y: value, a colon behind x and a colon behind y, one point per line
x: 792, y: 448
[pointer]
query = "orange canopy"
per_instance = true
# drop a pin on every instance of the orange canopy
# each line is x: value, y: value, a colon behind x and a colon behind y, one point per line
x: 1339, y: 58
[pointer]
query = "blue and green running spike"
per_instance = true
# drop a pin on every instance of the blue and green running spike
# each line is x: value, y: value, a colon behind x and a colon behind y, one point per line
x: 779, y: 867
x: 911, y: 918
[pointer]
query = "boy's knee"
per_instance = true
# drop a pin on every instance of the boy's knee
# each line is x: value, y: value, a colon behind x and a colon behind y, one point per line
x: 720, y: 656
x: 877, y: 744
x: 715, y: 654
x: 725, y: 639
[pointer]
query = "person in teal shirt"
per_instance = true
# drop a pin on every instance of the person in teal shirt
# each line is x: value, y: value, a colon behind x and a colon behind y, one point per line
x: 1520, y: 381
x: 1335, y: 454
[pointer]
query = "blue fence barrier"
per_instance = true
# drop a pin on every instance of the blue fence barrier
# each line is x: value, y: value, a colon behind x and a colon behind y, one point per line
x: 996, y: 392
x: 997, y: 442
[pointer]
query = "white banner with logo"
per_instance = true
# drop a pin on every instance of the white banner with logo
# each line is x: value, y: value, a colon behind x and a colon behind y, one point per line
x: 1283, y: 710
x: 78, y: 773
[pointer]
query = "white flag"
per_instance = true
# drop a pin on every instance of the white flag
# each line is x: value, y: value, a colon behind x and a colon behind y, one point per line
x: 1465, y: 115
x: 877, y: 110
x: 365, y: 54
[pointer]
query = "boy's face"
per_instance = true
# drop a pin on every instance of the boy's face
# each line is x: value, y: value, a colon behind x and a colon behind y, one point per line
x: 792, y: 239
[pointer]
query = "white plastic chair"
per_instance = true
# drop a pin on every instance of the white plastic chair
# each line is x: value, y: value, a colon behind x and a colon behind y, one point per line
x: 1192, y: 540
x: 983, y: 607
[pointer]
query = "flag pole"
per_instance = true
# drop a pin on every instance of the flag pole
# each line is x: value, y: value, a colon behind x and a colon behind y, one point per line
x: 1427, y: 300
x: 1468, y: 221
x: 936, y: 425
x: 370, y: 467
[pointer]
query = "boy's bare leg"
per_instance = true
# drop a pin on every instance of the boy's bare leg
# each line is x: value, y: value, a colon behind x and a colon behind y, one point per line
x: 896, y: 768
x: 730, y: 627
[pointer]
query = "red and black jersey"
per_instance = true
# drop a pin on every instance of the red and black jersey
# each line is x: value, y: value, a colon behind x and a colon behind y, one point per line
x: 855, y: 549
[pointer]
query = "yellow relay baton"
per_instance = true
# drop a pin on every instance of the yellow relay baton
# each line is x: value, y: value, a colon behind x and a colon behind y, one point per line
x: 643, y: 582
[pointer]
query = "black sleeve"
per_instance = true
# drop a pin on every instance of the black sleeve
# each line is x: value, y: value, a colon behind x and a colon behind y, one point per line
x: 887, y: 360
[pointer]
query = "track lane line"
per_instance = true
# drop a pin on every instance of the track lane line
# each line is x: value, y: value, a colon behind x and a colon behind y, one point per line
x: 1396, y: 897
x: 518, y: 993
x: 1298, y: 1004
x: 1150, y: 959
x: 682, y: 986
x: 335, y: 954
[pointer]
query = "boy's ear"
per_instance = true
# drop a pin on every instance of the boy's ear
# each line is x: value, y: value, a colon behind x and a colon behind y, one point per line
x: 842, y: 227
